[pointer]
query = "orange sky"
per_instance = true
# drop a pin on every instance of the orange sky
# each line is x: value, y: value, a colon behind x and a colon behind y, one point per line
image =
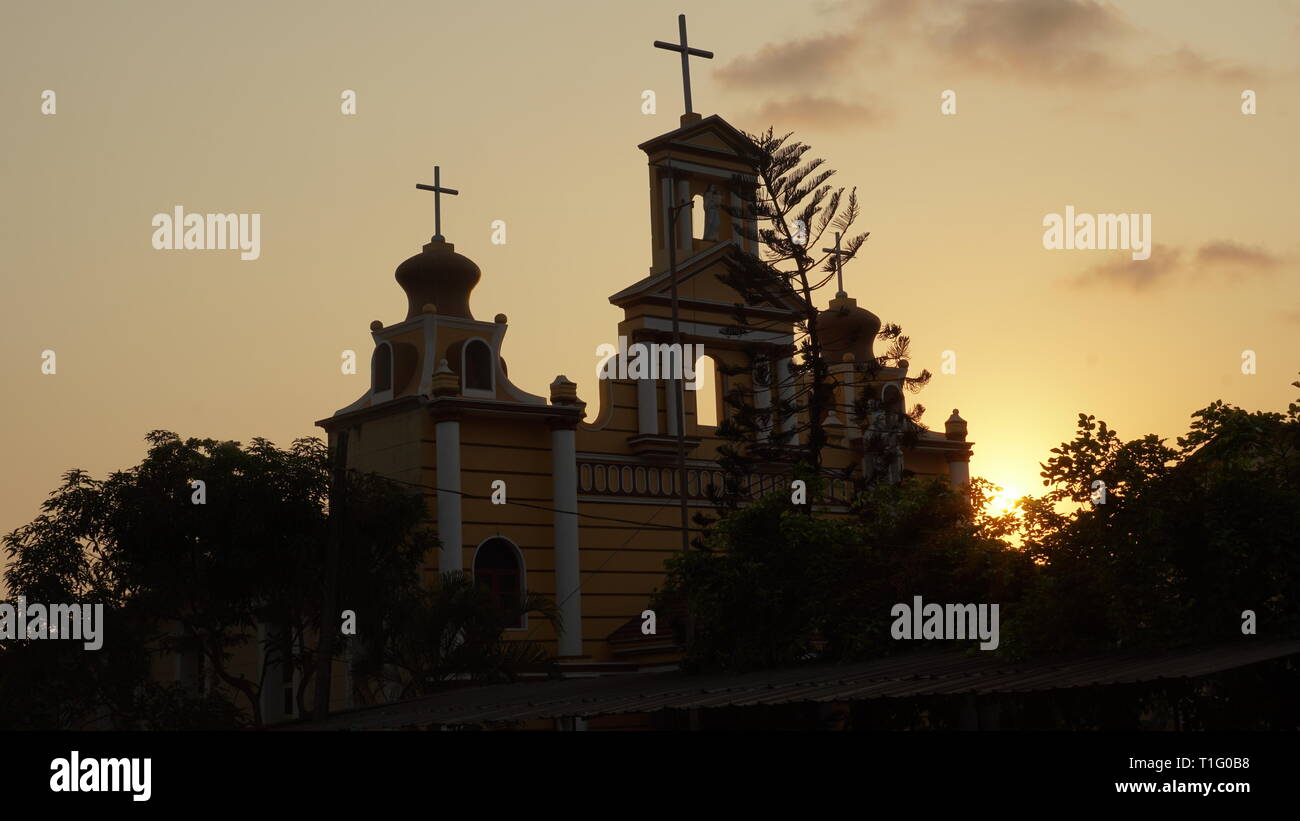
x: 534, y: 111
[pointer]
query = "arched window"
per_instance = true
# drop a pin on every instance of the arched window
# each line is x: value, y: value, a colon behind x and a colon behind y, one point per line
x: 381, y: 368
x: 706, y: 394
x: 477, y: 367
x: 498, y: 569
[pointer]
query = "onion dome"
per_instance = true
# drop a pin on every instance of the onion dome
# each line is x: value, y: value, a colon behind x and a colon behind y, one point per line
x: 440, y: 276
x: 844, y: 328
x: 955, y: 427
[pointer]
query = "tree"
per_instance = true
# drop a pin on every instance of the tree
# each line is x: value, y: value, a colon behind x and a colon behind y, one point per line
x: 772, y: 587
x: 789, y: 212
x: 176, y: 576
x: 1185, y: 539
x: 764, y: 581
x: 451, y: 632
x: 1189, y: 536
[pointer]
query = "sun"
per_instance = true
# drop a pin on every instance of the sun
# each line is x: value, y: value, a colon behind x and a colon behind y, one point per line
x: 1004, y: 502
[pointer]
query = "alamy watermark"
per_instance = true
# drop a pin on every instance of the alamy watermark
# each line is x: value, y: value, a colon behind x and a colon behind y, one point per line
x: 649, y: 361
x: 179, y: 231
x: 950, y: 621
x: 79, y: 622
x: 129, y: 775
x: 1099, y: 232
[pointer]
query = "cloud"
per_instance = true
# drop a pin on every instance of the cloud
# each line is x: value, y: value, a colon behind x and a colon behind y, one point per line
x: 824, y: 113
x: 894, y: 11
x: 1133, y: 274
x: 1236, y: 259
x: 1083, y: 43
x: 1075, y: 41
x: 797, y: 62
x: 1186, y: 64
x: 820, y: 59
x: 1222, y: 260
x: 1037, y: 40
x: 832, y: 80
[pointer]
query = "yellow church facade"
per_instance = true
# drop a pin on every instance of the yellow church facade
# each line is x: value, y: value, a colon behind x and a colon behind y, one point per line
x: 528, y: 492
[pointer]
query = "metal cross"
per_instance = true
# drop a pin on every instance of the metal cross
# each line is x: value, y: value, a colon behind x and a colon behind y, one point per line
x: 687, y: 52
x: 839, y: 270
x: 438, y: 191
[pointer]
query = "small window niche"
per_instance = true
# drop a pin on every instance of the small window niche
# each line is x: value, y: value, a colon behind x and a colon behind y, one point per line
x: 498, y: 569
x: 476, y: 369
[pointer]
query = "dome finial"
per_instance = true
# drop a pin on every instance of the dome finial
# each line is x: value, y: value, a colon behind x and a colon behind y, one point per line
x: 438, y: 276
x: 838, y: 256
x: 845, y: 328
x: 438, y: 191
x: 683, y: 48
x: 955, y: 427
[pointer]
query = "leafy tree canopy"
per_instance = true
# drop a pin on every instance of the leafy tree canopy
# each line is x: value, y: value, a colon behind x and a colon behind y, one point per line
x: 174, y: 575
x: 1189, y: 536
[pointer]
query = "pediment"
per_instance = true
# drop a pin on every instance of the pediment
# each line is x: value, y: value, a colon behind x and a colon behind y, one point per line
x: 698, y: 282
x: 711, y: 135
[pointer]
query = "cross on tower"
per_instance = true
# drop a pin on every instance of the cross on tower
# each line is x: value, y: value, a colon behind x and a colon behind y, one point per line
x: 839, y: 270
x: 686, y: 52
x: 438, y: 191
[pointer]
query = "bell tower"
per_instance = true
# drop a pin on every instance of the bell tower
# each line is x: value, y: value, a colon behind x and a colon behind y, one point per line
x: 698, y: 174
x: 697, y: 168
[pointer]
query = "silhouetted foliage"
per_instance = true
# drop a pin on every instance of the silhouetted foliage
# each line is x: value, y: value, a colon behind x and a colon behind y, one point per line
x: 175, y: 576
x: 1189, y: 536
x: 790, y: 211
x: 452, y: 632
x: 773, y: 587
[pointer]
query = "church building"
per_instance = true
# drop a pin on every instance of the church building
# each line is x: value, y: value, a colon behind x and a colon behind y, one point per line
x: 592, y: 505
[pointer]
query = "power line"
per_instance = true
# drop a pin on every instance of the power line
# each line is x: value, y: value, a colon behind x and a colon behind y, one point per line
x: 591, y: 573
x: 535, y: 506
x: 641, y: 526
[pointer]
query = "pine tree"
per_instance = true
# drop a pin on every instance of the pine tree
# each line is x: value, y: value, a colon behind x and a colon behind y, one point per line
x: 788, y: 212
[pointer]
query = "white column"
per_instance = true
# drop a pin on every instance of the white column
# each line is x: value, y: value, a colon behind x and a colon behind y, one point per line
x: 448, y: 447
x: 647, y: 406
x: 670, y: 405
x: 959, y: 472
x: 568, y: 597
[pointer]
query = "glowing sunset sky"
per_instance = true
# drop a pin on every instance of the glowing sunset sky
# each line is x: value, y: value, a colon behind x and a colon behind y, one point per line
x: 533, y: 110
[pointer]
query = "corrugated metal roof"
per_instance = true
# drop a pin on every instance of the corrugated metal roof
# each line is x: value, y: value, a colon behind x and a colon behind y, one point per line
x: 917, y: 674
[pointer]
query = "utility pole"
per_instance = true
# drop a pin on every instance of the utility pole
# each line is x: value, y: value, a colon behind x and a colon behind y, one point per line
x: 686, y: 51
x: 676, y: 384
